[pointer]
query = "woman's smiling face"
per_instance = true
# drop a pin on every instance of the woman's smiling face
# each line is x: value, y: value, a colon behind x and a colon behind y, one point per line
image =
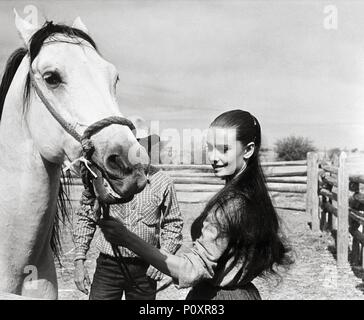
x: 224, y: 152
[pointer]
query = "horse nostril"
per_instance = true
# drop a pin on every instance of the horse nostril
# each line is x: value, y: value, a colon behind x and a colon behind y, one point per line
x: 115, y: 163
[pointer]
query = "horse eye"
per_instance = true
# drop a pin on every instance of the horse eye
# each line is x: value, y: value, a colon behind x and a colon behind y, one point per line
x: 53, y: 79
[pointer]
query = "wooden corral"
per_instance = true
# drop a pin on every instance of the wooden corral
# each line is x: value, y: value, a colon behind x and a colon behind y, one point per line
x: 197, y: 183
x: 335, y: 202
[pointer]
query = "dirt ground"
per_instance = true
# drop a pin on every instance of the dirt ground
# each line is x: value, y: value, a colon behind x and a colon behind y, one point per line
x: 313, y: 276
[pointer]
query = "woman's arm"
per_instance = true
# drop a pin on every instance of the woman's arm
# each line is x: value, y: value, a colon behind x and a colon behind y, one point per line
x: 196, y: 264
x: 116, y: 233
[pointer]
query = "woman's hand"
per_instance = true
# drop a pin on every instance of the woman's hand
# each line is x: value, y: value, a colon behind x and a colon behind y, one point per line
x: 114, y: 231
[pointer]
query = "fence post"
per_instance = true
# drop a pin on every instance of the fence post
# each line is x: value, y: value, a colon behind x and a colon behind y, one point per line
x: 312, y: 198
x: 362, y: 250
x: 342, y: 212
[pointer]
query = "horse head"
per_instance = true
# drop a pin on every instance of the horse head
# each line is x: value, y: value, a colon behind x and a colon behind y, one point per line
x: 69, y: 77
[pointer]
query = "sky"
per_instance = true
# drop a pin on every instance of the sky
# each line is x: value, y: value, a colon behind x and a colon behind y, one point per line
x: 185, y: 62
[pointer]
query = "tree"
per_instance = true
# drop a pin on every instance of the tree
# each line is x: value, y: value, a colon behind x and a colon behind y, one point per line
x: 293, y: 148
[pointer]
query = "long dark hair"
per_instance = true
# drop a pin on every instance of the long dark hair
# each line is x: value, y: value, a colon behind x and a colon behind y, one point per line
x: 36, y: 42
x: 246, y: 213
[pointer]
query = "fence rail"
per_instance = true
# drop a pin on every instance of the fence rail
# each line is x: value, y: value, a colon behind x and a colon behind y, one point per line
x: 197, y: 183
x: 335, y: 203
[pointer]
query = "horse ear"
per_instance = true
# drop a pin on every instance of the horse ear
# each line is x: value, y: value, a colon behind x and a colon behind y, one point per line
x: 78, y: 24
x: 25, y: 28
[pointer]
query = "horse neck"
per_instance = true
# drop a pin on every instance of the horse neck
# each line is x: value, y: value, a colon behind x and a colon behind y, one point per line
x: 29, y: 186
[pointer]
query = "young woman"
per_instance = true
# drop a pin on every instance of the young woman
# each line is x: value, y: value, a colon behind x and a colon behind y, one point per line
x: 237, y: 236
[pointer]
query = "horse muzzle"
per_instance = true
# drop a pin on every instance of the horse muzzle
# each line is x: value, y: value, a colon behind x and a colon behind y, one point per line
x: 111, y: 189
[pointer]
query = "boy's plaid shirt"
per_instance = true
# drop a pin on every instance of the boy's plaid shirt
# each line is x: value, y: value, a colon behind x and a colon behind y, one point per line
x: 153, y: 214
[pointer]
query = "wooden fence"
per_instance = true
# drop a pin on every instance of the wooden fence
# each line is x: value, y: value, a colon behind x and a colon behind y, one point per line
x: 333, y: 194
x: 197, y: 183
x: 335, y: 203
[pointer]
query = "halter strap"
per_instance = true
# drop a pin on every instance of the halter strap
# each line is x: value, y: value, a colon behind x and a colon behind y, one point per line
x: 65, y: 125
x: 94, y: 128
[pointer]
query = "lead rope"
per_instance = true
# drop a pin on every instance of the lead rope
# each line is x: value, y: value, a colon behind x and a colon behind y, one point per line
x: 87, y: 177
x: 119, y: 258
x: 105, y: 208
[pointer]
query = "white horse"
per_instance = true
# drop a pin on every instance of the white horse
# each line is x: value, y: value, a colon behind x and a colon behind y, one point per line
x: 61, y: 86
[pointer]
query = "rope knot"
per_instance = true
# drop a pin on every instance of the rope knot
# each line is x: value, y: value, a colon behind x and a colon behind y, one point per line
x: 87, y: 147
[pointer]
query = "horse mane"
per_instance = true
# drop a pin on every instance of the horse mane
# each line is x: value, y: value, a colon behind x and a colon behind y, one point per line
x: 11, y: 67
x: 49, y: 29
x: 63, y: 213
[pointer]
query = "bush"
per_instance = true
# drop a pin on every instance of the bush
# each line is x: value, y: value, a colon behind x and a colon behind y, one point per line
x: 293, y: 148
x: 264, y: 149
x: 333, y: 153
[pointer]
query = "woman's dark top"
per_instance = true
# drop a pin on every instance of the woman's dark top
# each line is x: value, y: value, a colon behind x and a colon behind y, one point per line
x: 209, y: 257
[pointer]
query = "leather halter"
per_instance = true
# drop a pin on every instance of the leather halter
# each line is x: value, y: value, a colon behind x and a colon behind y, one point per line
x: 71, y: 129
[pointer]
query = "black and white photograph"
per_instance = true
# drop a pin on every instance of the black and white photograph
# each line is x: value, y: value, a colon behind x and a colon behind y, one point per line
x: 193, y: 150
